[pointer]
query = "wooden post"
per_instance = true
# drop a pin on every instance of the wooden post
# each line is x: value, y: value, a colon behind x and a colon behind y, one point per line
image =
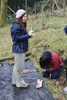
x: 42, y: 16
x: 63, y: 8
x: 57, y: 1
x: 26, y: 8
x: 37, y: 20
x: 35, y: 9
x: 53, y: 7
x: 58, y: 7
x: 43, y: 7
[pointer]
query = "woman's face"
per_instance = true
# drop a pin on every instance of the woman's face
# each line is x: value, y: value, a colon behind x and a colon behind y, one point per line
x: 24, y: 18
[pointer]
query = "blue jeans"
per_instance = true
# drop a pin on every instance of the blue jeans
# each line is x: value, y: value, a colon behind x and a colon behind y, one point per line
x: 54, y: 74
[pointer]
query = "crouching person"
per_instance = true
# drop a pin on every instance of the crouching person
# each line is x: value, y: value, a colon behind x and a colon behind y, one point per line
x: 52, y: 64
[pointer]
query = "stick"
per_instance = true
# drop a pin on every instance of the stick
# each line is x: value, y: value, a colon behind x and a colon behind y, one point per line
x: 11, y: 10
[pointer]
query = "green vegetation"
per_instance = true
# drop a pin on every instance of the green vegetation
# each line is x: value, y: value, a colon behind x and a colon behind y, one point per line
x: 19, y: 4
x: 52, y: 38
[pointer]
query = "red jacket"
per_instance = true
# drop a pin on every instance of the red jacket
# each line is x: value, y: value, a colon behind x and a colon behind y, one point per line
x: 55, y: 62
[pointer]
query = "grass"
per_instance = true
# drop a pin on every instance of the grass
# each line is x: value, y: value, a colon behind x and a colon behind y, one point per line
x: 52, y: 38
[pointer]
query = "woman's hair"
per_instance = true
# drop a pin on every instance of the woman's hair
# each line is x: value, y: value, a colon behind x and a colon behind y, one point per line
x: 44, y: 60
x: 20, y: 21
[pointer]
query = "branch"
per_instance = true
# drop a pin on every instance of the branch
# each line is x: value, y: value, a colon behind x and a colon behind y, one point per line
x: 11, y: 10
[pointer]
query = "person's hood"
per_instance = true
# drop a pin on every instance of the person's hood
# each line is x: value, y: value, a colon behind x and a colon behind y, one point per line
x: 49, y: 53
x: 14, y: 22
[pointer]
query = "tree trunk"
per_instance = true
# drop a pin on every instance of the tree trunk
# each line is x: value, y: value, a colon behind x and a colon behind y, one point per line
x: 3, y: 20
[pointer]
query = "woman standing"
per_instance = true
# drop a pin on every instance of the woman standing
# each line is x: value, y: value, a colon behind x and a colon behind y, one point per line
x: 20, y: 38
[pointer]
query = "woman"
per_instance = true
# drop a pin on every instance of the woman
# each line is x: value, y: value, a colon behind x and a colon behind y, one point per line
x: 20, y: 38
x: 52, y: 64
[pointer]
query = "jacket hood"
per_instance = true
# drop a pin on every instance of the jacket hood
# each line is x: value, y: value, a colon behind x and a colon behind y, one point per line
x: 15, y: 22
x: 49, y: 53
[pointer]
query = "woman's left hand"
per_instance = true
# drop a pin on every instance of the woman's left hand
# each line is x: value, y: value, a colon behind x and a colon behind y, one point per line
x: 44, y: 70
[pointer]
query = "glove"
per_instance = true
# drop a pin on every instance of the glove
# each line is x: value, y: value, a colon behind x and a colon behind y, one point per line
x: 31, y: 33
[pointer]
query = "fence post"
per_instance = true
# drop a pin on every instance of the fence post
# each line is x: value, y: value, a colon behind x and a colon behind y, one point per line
x: 35, y: 9
x: 26, y: 8
x: 63, y: 8
x: 42, y: 15
x: 53, y: 7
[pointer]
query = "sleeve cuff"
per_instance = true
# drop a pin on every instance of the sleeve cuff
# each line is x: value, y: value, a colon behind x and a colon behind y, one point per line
x: 47, y: 69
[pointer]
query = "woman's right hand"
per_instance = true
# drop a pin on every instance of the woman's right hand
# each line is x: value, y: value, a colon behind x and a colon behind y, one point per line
x: 31, y: 33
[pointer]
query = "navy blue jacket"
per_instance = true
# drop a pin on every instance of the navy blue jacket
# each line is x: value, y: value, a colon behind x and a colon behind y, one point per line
x: 20, y: 38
